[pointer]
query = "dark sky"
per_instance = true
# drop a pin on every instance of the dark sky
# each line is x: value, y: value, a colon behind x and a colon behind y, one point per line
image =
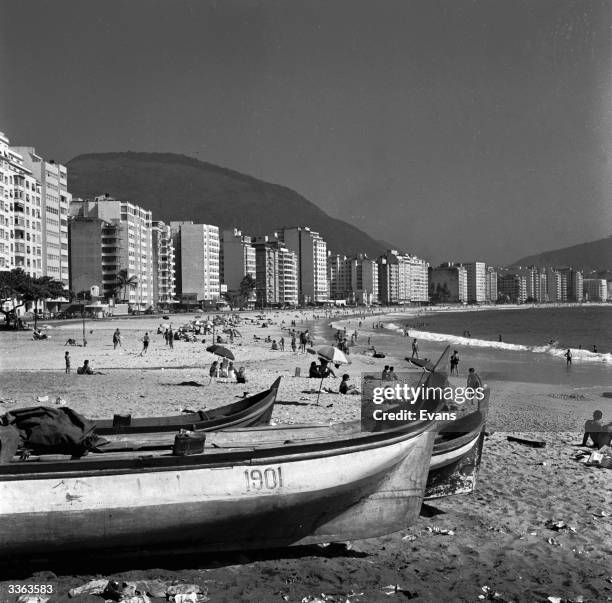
x: 456, y: 129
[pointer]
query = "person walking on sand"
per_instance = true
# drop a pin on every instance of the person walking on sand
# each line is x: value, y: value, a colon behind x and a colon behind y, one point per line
x: 116, y: 339
x: 473, y: 379
x: 170, y: 338
x: 293, y: 347
x: 281, y: 344
x: 454, y: 363
x: 145, y: 343
x: 415, y: 349
x: 67, y: 360
x: 568, y: 357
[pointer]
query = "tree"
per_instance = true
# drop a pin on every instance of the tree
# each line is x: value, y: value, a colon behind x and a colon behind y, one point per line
x: 123, y: 283
x: 42, y: 288
x: 247, y: 286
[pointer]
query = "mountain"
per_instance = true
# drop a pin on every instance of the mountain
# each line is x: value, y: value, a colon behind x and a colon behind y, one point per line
x: 176, y: 187
x: 596, y: 255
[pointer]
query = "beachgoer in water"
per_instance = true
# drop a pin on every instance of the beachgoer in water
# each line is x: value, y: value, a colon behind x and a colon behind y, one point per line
x: 499, y: 337
x: 454, y: 363
x: 568, y: 356
x: 594, y: 349
x: 415, y: 349
x: 473, y: 379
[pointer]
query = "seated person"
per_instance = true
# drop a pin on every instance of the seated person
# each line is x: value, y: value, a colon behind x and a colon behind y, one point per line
x: 70, y: 341
x: 313, y: 371
x: 596, y: 430
x: 274, y: 345
x: 325, y: 370
x: 87, y: 370
x: 346, y: 388
x: 376, y: 354
x: 385, y: 374
x: 241, y: 375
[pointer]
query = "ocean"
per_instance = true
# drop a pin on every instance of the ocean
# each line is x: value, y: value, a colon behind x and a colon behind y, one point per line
x: 534, y: 341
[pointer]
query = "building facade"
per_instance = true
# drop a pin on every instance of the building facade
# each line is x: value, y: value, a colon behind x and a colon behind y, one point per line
x: 338, y: 277
x: 311, y: 252
x: 55, y: 202
x: 237, y: 258
x: 164, y: 284
x: 476, y: 282
x: 448, y: 283
x: 125, y: 243
x: 276, y: 273
x: 196, y: 250
x: 595, y: 289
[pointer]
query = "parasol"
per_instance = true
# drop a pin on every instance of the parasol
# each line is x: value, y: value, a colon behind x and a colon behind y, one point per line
x: 331, y: 354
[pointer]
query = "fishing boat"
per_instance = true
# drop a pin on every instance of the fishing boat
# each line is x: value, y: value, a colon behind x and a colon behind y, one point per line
x: 457, y: 453
x: 252, y: 410
x: 249, y: 493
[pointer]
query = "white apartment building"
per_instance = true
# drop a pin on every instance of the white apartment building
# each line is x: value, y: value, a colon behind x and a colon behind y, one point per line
x: 55, y: 201
x: 128, y: 247
x: 20, y: 214
x: 476, y: 282
x: 164, y: 285
x: 595, y: 289
x: 237, y: 258
x: 311, y: 251
x: 196, y: 251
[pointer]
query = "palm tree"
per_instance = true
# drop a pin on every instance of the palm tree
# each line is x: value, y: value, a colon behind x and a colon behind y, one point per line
x: 124, y: 282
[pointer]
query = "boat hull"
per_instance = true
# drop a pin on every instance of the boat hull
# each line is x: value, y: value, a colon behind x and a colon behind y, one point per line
x: 357, y: 492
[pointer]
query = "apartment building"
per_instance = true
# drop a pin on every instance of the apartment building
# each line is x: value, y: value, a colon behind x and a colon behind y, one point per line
x: 164, y: 281
x: 237, y: 258
x: 595, y: 289
x: 448, y: 283
x: 476, y: 282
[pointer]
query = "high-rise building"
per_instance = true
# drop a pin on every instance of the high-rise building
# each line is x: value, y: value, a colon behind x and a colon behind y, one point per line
x: 403, y: 278
x: 363, y: 273
x: 553, y: 285
x: 164, y: 286
x: 491, y: 285
x: 476, y: 282
x: 512, y: 287
x: 448, y: 283
x: 121, y: 240
x: 237, y: 258
x: 311, y: 252
x: 595, y: 289
x: 196, y: 251
x: 55, y: 201
x: 573, y: 280
x: 338, y: 276
x: 276, y: 272
x: 21, y: 243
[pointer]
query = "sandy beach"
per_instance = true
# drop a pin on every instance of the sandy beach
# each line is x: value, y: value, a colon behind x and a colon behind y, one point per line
x: 499, y: 538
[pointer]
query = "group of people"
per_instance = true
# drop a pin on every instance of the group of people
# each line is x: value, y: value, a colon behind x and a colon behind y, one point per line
x: 226, y: 370
x: 86, y: 369
x: 599, y: 432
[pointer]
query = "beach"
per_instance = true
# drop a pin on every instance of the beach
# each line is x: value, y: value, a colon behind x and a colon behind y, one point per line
x: 499, y: 538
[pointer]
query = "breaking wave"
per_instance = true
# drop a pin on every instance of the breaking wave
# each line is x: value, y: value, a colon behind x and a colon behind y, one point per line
x: 551, y: 349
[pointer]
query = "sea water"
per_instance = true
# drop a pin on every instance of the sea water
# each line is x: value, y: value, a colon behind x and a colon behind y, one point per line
x: 532, y: 347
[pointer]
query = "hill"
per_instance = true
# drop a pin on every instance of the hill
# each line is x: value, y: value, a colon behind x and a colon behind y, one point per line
x: 176, y: 187
x: 596, y: 255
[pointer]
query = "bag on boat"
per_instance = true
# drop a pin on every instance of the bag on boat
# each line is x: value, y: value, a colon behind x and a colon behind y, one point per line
x: 46, y: 430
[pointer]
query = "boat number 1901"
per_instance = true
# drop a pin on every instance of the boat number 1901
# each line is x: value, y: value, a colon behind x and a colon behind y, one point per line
x: 263, y: 479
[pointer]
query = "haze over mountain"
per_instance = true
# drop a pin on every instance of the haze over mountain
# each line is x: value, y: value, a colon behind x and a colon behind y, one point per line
x: 176, y: 187
x: 595, y: 255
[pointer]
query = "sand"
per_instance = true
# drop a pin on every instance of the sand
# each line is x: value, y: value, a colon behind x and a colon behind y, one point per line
x: 500, y: 540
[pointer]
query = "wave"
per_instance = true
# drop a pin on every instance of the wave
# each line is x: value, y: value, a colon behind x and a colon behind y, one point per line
x: 552, y: 349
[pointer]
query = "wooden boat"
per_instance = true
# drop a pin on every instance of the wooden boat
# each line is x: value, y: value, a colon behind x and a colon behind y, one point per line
x: 253, y: 410
x: 455, y: 461
x: 249, y: 494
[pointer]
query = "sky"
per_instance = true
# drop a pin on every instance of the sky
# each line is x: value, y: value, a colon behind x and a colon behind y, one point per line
x: 455, y: 129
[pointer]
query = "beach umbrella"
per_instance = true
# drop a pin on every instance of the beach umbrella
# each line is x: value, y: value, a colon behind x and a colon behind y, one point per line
x: 219, y: 350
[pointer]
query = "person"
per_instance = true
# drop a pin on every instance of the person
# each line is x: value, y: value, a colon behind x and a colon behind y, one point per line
x: 568, y: 356
x: 473, y: 379
x: 67, y: 360
x: 415, y: 349
x: 392, y: 376
x: 594, y: 349
x: 145, y: 343
x: 170, y: 337
x: 116, y: 339
x: 274, y: 345
x: 347, y: 388
x: 231, y: 371
x: 499, y: 337
x: 385, y: 373
x: 313, y: 371
x: 593, y: 429
x: 214, y: 369
x: 293, y: 346
x: 325, y: 370
x: 87, y: 370
x: 282, y: 344
x: 224, y: 369
x: 454, y: 363
x: 241, y: 375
